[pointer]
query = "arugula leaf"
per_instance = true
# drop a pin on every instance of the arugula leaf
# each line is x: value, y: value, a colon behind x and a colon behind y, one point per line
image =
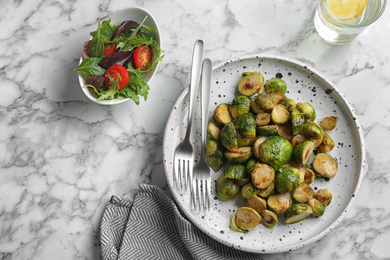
x: 90, y: 67
x: 106, y: 31
x: 96, y: 48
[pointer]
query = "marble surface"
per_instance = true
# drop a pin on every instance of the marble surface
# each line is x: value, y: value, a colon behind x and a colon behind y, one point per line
x: 62, y: 156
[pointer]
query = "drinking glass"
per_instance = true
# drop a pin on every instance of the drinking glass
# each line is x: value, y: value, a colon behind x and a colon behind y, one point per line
x: 339, y: 32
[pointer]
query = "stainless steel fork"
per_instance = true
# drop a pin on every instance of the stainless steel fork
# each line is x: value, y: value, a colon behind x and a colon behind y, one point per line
x: 200, y: 187
x: 184, y: 155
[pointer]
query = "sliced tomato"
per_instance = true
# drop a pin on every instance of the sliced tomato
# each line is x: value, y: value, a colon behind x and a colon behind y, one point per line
x: 109, y: 48
x: 114, y: 71
x: 143, y: 57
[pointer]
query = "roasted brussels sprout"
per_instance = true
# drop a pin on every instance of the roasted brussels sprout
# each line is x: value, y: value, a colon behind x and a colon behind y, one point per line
x: 247, y: 218
x: 217, y: 160
x: 266, y: 192
x: 285, y: 131
x: 327, y: 144
x: 255, y: 108
x: 324, y: 196
x: 247, y: 125
x: 303, y: 193
x: 256, y: 146
x: 262, y: 175
x: 213, y: 131
x: 275, y: 151
x: 263, y: 119
x: 313, y: 131
x: 277, y: 97
x: 317, y: 207
x: 239, y: 106
x: 211, y: 147
x: 228, y: 137
x: 240, y: 155
x: 270, y: 219
x: 242, y: 140
x: 257, y: 203
x: 267, y: 130
x: 325, y: 165
x: 307, y: 110
x: 226, y: 188
x: 275, y: 85
x: 250, y: 83
x: 329, y: 123
x: 265, y: 101
x: 234, y: 226
x: 297, y: 139
x: 236, y: 171
x: 280, y: 114
x: 297, y: 121
x: 288, y: 103
x: 297, y: 212
x: 309, y: 176
x: 222, y: 115
x: 286, y: 179
x: 250, y: 165
x: 248, y: 191
x: 303, y: 151
x: 279, y: 203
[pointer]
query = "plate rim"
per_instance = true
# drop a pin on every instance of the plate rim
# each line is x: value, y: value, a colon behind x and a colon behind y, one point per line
x: 357, y: 126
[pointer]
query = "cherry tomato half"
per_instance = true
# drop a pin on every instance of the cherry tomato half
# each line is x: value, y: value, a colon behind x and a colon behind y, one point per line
x: 143, y: 57
x: 109, y: 48
x: 113, y: 72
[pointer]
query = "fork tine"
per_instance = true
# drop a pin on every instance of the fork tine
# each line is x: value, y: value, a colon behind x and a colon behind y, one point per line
x: 176, y: 167
x: 207, y: 192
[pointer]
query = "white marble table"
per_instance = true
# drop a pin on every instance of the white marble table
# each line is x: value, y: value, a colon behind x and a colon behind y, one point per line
x: 62, y: 156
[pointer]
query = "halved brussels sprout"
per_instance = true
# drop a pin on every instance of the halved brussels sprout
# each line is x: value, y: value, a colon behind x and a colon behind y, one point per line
x: 279, y: 203
x: 275, y: 151
x: 236, y: 171
x: 324, y: 196
x: 226, y: 188
x: 263, y: 119
x: 262, y: 175
x: 317, y: 207
x: 257, y: 203
x: 265, y: 101
x: 267, y: 130
x: 288, y: 103
x: 277, y: 97
x: 250, y: 165
x: 303, y: 193
x: 247, y: 218
x: 275, y: 85
x: 228, y: 137
x: 266, y: 192
x: 286, y: 179
x: 285, y: 131
x: 255, y: 108
x: 213, y: 131
x: 217, y: 160
x: 256, y: 146
x: 280, y: 114
x: 222, y: 115
x: 247, y: 125
x: 327, y: 144
x: 248, y: 191
x: 242, y: 140
x: 303, y: 151
x: 325, y: 165
x: 235, y: 227
x: 309, y: 176
x: 329, y: 123
x: 250, y: 83
x: 313, y: 131
x: 297, y: 139
x: 307, y: 110
x: 239, y: 106
x: 270, y: 219
x: 297, y: 212
x: 242, y: 182
x: 211, y: 147
x: 297, y: 121
x: 240, y: 155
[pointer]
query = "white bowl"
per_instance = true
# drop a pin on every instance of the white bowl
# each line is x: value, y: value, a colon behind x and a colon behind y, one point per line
x: 136, y: 14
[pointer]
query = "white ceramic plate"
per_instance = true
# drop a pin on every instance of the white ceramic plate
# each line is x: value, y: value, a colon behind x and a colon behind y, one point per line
x: 136, y: 14
x: 304, y: 85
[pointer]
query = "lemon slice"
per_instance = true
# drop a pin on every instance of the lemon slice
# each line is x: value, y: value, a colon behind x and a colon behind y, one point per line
x: 346, y: 9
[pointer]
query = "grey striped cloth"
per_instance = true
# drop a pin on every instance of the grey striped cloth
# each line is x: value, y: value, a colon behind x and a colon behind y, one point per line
x: 151, y: 227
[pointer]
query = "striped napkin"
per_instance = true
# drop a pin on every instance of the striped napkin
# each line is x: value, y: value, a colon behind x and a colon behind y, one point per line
x: 151, y: 227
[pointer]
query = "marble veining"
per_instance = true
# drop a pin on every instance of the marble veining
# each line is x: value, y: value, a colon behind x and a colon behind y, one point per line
x: 62, y: 156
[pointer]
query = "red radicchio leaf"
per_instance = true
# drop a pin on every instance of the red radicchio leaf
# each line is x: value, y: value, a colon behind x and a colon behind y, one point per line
x: 124, y: 26
x: 96, y: 81
x: 86, y: 50
x: 120, y: 57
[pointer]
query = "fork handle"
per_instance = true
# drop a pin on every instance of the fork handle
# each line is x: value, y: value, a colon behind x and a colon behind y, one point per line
x: 205, y: 97
x: 197, y: 57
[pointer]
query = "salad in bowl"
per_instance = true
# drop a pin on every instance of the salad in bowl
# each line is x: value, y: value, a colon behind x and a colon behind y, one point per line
x: 120, y: 58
